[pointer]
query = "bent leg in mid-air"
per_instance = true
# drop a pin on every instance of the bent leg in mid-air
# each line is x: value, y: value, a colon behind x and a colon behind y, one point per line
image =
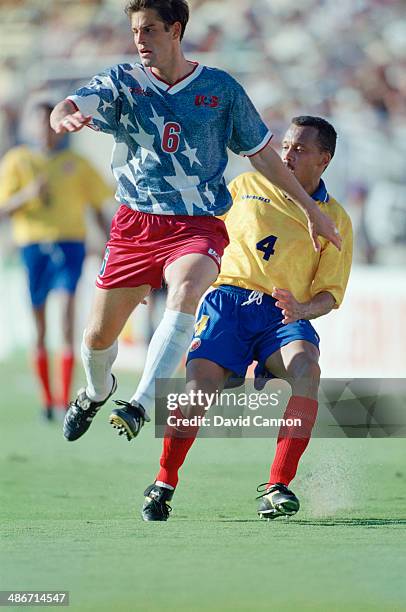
x: 110, y: 311
x: 188, y: 278
x: 296, y: 362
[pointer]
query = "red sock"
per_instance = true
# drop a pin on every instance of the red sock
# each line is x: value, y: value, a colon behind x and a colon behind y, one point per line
x: 176, y: 444
x: 292, y: 441
x: 67, y: 365
x: 42, y: 373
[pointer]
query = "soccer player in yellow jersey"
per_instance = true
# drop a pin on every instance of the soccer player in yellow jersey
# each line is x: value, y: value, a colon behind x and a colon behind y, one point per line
x: 271, y: 284
x: 45, y: 189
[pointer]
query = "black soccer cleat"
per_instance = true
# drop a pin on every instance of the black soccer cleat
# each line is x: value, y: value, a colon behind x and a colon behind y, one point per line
x: 128, y: 419
x: 81, y: 413
x: 155, y: 506
x: 277, y: 500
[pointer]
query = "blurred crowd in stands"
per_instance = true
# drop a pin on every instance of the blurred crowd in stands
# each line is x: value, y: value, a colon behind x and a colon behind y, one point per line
x: 345, y: 61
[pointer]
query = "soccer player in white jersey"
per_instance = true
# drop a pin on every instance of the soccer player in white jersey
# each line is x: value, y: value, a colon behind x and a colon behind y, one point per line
x: 172, y: 121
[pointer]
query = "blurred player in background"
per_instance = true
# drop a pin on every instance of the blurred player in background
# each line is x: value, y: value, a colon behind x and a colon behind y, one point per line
x: 45, y: 189
x: 270, y: 285
x: 172, y: 121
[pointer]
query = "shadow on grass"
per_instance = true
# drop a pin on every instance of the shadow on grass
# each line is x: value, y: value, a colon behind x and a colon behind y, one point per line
x: 351, y: 522
x: 323, y: 522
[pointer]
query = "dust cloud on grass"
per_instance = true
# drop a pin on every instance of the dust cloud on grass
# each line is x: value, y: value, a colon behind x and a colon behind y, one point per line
x: 333, y: 480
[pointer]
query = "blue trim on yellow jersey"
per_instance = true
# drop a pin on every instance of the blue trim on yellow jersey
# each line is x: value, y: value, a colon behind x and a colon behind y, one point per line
x: 321, y: 195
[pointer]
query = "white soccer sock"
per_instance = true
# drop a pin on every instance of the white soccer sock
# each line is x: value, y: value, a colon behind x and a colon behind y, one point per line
x: 97, y: 365
x: 169, y: 342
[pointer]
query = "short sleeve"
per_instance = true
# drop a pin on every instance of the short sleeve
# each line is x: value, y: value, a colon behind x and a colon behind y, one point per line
x: 334, y: 267
x: 100, y: 99
x: 249, y: 133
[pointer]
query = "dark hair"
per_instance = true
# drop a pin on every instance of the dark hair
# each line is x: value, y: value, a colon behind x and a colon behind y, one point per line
x: 327, y: 136
x: 169, y: 11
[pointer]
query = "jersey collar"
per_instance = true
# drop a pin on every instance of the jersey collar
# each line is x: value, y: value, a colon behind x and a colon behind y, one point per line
x: 321, y: 195
x: 178, y: 85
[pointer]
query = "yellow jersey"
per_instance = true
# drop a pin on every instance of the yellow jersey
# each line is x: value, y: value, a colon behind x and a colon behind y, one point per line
x: 72, y: 184
x: 270, y: 244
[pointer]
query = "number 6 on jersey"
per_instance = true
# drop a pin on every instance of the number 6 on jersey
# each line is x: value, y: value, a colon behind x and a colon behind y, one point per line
x: 170, y: 137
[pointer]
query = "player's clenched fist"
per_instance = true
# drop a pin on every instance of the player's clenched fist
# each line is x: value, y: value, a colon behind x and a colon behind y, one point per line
x: 63, y: 120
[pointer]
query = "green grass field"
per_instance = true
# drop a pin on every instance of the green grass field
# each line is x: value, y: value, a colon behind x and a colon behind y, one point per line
x: 70, y: 520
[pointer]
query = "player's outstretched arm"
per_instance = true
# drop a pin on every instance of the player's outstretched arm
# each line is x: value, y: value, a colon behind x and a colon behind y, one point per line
x: 270, y: 165
x: 66, y: 118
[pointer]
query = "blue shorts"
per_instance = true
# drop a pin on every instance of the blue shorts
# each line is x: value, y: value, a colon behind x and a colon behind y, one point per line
x: 52, y: 265
x: 234, y: 335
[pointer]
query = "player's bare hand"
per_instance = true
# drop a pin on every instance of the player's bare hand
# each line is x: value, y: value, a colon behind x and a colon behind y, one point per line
x: 292, y: 310
x: 72, y: 123
x: 320, y: 224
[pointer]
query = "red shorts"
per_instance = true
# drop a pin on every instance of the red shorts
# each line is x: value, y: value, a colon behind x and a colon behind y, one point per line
x: 142, y: 245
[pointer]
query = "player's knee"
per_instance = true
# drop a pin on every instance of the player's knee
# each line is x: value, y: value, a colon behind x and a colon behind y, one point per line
x: 304, y: 366
x: 185, y: 295
x: 96, y: 339
x: 201, y: 393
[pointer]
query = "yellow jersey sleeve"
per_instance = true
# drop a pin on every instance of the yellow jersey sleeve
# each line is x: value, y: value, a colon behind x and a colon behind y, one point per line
x: 334, y: 266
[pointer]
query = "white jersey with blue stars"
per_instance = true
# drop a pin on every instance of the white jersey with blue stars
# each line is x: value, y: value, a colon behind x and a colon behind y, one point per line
x: 171, y: 141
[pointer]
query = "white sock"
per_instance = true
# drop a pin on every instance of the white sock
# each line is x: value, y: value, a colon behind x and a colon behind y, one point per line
x: 169, y: 342
x: 97, y: 365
